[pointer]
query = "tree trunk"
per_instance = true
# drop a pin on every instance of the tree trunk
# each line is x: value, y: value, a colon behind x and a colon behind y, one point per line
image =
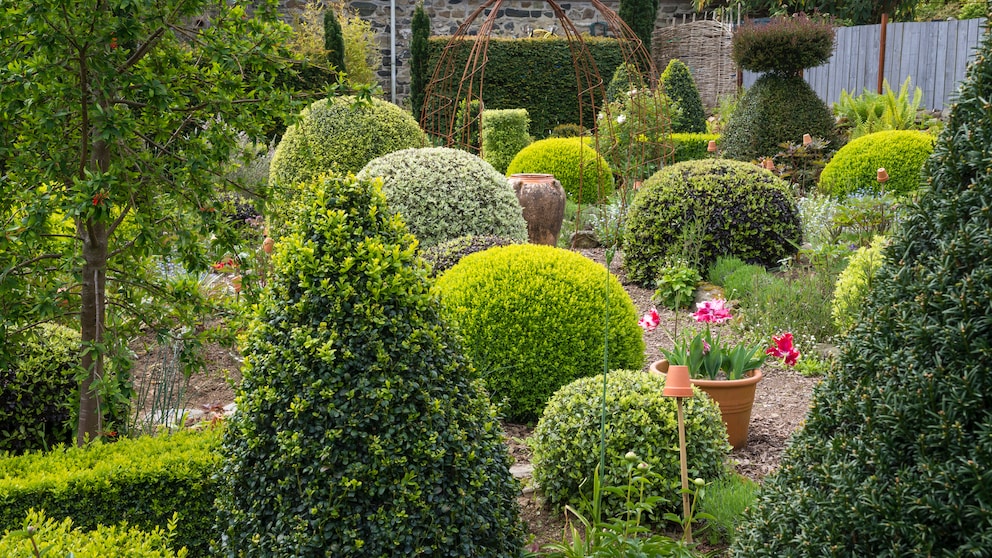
x: 91, y: 320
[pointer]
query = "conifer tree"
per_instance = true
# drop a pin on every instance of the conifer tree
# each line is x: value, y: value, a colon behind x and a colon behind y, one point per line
x: 895, y: 455
x: 681, y: 88
x: 639, y: 15
x: 334, y: 41
x: 420, y: 32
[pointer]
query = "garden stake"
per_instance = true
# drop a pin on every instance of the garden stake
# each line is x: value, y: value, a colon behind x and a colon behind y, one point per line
x: 677, y: 385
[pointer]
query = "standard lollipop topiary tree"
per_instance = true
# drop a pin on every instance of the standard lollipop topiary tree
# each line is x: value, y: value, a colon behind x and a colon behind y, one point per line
x: 361, y: 429
x: 780, y: 107
x: 895, y: 455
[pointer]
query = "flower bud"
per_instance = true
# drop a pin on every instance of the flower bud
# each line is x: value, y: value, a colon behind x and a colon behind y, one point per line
x: 642, y: 466
x: 699, y: 482
x: 631, y: 456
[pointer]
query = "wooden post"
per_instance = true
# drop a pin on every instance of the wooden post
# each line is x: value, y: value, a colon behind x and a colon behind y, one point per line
x: 685, y: 470
x: 881, y: 53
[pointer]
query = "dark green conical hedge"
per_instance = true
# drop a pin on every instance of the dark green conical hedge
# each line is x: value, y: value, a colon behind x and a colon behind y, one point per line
x: 896, y: 454
x: 361, y: 429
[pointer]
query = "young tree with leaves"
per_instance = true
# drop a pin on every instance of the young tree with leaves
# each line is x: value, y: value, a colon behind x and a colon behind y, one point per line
x: 123, y: 118
x: 420, y: 32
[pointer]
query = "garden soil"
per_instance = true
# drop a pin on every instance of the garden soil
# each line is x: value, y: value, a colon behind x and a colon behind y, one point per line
x: 781, y: 402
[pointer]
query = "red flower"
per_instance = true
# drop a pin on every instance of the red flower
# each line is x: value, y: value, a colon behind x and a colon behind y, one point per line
x: 712, y: 311
x: 113, y: 43
x: 99, y: 197
x: 650, y: 320
x: 783, y: 348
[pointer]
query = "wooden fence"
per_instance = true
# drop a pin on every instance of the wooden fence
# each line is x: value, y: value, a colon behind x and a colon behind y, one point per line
x: 932, y: 54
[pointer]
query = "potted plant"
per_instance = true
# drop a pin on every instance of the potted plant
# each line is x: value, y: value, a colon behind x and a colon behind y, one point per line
x: 728, y: 374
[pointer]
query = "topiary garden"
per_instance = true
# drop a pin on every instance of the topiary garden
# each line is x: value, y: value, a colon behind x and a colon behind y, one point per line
x: 583, y: 173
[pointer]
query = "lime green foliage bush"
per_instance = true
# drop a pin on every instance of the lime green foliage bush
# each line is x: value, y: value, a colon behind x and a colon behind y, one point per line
x: 725, y: 500
x: 504, y: 134
x: 341, y: 135
x: 639, y: 419
x: 681, y: 89
x: 741, y: 281
x: 361, y: 429
x: 720, y: 269
x: 444, y: 256
x: 784, y: 46
x: 445, y: 193
x: 747, y: 212
x: 549, y: 68
x: 532, y: 321
x: 583, y: 173
x: 689, y: 147
x: 36, y: 391
x: 972, y: 9
x: 144, y: 481
x: 854, y: 168
x: 907, y: 407
x: 777, y: 109
x: 874, y: 112
x: 855, y: 282
x: 40, y: 533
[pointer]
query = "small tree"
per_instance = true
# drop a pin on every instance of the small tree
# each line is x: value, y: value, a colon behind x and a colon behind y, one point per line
x: 639, y: 15
x: 334, y: 41
x: 125, y: 116
x: 894, y: 456
x: 681, y: 88
x: 361, y: 429
x: 420, y: 32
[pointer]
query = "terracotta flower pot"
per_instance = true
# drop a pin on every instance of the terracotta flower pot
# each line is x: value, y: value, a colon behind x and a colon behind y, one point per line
x: 543, y: 201
x: 734, y: 397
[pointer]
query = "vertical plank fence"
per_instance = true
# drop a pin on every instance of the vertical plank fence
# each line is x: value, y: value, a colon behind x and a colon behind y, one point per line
x: 933, y: 54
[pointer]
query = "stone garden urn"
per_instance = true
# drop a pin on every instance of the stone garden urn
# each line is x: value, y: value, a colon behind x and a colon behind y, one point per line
x: 543, y: 202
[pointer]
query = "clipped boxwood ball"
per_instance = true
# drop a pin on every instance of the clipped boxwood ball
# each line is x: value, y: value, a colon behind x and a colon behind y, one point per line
x: 445, y: 193
x: 854, y: 168
x: 573, y: 162
x: 640, y: 420
x: 746, y: 211
x: 531, y: 318
x: 341, y: 136
x: 777, y: 109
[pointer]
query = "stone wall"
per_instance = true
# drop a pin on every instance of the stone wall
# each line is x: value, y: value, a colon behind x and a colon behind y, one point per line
x: 515, y: 19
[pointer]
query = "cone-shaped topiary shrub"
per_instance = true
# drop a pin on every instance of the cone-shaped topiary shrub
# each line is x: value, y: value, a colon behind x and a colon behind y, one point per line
x: 639, y: 419
x: 680, y: 87
x: 583, y: 173
x: 532, y: 320
x: 854, y: 168
x: 746, y: 211
x: 777, y: 109
x: 361, y: 430
x: 341, y: 135
x: 895, y: 455
x: 445, y: 193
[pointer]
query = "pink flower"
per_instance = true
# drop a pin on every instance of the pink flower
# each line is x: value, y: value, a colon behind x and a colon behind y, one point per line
x: 712, y: 311
x: 650, y: 320
x: 783, y: 348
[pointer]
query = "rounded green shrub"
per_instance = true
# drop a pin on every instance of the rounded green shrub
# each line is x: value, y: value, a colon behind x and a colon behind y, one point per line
x: 693, y: 146
x: 341, y: 135
x: 444, y: 256
x: 445, y: 193
x: 532, y: 317
x: 60, y: 538
x: 786, y: 45
x: 504, y: 134
x: 37, y: 391
x: 583, y: 173
x: 744, y: 211
x: 855, y: 281
x: 680, y: 87
x: 361, y: 428
x: 639, y: 419
x: 895, y: 453
x: 777, y: 109
x: 854, y: 168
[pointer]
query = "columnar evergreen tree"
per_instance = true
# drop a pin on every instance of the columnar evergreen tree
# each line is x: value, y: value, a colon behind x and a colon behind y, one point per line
x: 681, y: 88
x: 121, y: 119
x: 639, y: 15
x: 895, y: 455
x: 361, y: 428
x: 420, y: 31
x: 334, y: 41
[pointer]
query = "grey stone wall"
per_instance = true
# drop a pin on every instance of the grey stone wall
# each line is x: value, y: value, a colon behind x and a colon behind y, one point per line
x: 515, y: 19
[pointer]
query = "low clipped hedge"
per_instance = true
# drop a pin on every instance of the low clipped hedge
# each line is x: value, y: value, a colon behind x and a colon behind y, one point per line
x: 689, y: 147
x: 444, y: 256
x: 746, y: 211
x: 531, y: 318
x: 855, y: 281
x: 854, y: 168
x: 143, y: 481
x: 639, y: 419
x: 583, y: 173
x: 61, y: 538
x: 445, y: 193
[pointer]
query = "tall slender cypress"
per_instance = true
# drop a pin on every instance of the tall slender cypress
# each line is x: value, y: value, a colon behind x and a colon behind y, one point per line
x: 420, y: 29
x: 639, y: 15
x: 334, y: 41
